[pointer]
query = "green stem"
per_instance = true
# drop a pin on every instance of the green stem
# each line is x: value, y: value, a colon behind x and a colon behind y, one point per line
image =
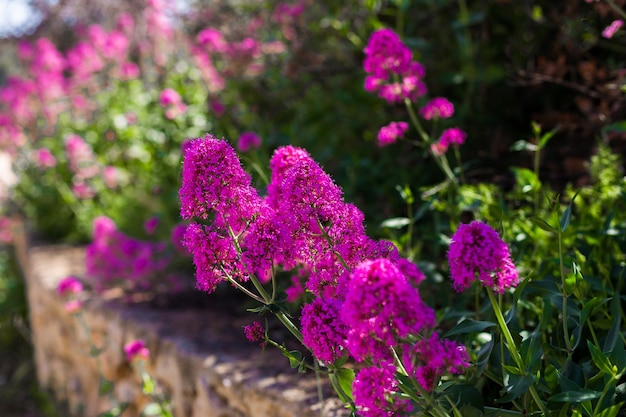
x: 293, y: 329
x: 423, y: 394
x: 536, y: 168
x: 616, y: 8
x: 409, y: 208
x: 457, y: 155
x: 318, y: 382
x: 563, y: 292
x: 416, y: 122
x: 513, y: 348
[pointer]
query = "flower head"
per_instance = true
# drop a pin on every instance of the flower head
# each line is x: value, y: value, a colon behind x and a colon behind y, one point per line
x: 136, y: 350
x: 151, y: 225
x: 391, y: 71
x: 392, y: 132
x: 214, y: 181
x: 611, y: 29
x: 478, y: 253
x: 381, y: 307
x: 69, y: 285
x: 437, y: 108
x: 255, y: 332
x: 373, y: 390
x: 432, y: 357
x: 323, y: 331
x: 248, y: 141
x: 44, y: 158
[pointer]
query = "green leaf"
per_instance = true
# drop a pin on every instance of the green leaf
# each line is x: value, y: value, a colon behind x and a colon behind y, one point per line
x: 526, y: 179
x: 567, y: 214
x: 152, y: 409
x: 406, y: 194
x: 344, y: 378
x: 423, y: 209
x: 482, y: 359
x: 600, y: 359
x: 294, y: 356
x: 619, y: 127
x: 396, y: 222
x: 547, y: 136
x: 106, y: 387
x: 590, y: 306
x: 575, y: 396
x: 611, y: 411
x: 149, y: 385
x: 518, y: 385
x: 542, y: 224
x: 115, y: 411
x: 523, y: 145
x: 469, y: 411
x: 469, y: 326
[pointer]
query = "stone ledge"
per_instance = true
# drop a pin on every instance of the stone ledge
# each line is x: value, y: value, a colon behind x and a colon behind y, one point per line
x: 199, y: 356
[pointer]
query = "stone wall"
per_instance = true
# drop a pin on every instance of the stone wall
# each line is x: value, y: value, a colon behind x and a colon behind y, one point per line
x: 199, y: 356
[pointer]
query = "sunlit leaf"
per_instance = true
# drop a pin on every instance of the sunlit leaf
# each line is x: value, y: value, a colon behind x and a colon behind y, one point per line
x: 469, y: 326
x: 575, y: 396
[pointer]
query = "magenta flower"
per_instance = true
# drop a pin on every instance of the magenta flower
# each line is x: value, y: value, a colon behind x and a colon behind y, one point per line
x: 437, y: 108
x: 392, y: 132
x: 136, y: 350
x: 255, y: 332
x: 323, y: 331
x: 109, y: 176
x: 172, y: 102
x: 374, y: 388
x: 452, y: 136
x: 296, y: 290
x: 69, y: 285
x: 248, y: 141
x: 44, y: 158
x: 176, y: 238
x: 430, y: 358
x: 129, y: 71
x: 83, y: 191
x: 73, y: 306
x: 478, y: 253
x: 376, y: 326
x: 263, y: 244
x: 214, y: 256
x: 151, y: 225
x: 611, y: 29
x: 217, y: 107
x: 114, y: 259
x: 391, y: 71
x: 169, y: 97
x: 6, y: 229
x: 81, y: 159
x: 213, y: 40
x: 214, y: 181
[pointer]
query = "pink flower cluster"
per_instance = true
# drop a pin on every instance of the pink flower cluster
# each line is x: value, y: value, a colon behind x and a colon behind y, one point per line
x: 69, y: 288
x: 136, y: 349
x: 218, y: 58
x: 452, y: 136
x: 392, y: 72
x: 113, y: 258
x: 255, y: 332
x: 478, y: 253
x: 611, y: 29
x: 173, y: 104
x: 391, y: 133
x: 437, y: 108
x: 248, y: 141
x: 365, y: 300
